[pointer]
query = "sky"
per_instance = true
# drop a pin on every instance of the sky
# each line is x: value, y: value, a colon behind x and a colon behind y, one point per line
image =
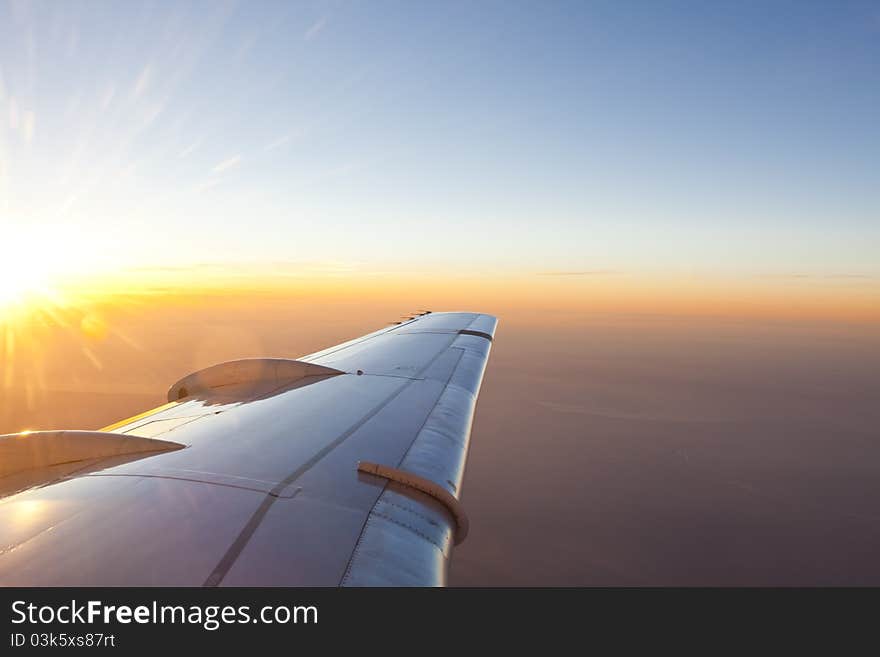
x: 735, y: 139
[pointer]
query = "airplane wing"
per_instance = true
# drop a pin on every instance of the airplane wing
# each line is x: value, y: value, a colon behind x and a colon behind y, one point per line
x: 343, y: 467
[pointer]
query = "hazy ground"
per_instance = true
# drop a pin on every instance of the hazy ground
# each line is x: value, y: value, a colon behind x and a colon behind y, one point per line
x: 608, y: 449
x: 676, y: 451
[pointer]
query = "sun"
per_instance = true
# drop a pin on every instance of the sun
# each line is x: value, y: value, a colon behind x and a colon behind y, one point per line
x: 9, y: 294
x: 15, y: 284
x: 26, y: 278
x: 39, y: 263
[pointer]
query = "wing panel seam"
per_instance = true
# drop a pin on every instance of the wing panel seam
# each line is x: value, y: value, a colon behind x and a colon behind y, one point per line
x: 237, y: 547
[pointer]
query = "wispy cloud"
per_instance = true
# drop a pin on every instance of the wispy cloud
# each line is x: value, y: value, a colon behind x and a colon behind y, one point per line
x: 205, y: 186
x: 227, y: 164
x: 107, y: 97
x: 189, y: 149
x: 13, y: 114
x: 278, y: 143
x: 295, y: 134
x: 21, y: 121
x: 315, y: 29
x: 142, y: 83
x: 72, y: 42
x: 816, y: 277
x: 261, y: 268
x: 588, y: 272
x: 27, y: 128
x: 244, y: 48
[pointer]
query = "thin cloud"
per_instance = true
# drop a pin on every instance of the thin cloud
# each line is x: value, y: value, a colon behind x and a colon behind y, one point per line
x: 189, y: 149
x: 227, y: 164
x: 13, y: 114
x: 107, y: 97
x: 282, y: 268
x: 816, y: 277
x: 294, y: 134
x: 205, y: 186
x: 315, y: 29
x: 786, y: 276
x: 589, y: 272
x: 72, y: 42
x: 27, y: 127
x: 278, y: 143
x: 142, y: 83
x: 245, y: 48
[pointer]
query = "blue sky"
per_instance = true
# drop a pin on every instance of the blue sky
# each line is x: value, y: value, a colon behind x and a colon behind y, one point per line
x: 731, y: 137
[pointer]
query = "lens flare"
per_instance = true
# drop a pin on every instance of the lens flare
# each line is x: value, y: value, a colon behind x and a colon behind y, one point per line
x: 20, y: 280
x: 34, y: 267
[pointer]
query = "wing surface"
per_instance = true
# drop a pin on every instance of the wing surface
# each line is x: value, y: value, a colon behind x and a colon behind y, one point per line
x: 343, y: 467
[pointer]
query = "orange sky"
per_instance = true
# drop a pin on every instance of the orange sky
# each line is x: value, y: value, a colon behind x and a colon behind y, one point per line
x: 135, y: 333
x: 834, y: 298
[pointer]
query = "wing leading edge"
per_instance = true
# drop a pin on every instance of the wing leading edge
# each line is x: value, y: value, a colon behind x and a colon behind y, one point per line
x: 347, y: 472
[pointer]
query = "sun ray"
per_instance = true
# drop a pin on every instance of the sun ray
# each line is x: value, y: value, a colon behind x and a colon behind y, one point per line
x: 9, y: 356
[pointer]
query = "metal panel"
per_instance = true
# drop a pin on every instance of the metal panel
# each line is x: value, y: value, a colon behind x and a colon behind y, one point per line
x: 266, y: 491
x: 438, y: 454
x: 119, y: 531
